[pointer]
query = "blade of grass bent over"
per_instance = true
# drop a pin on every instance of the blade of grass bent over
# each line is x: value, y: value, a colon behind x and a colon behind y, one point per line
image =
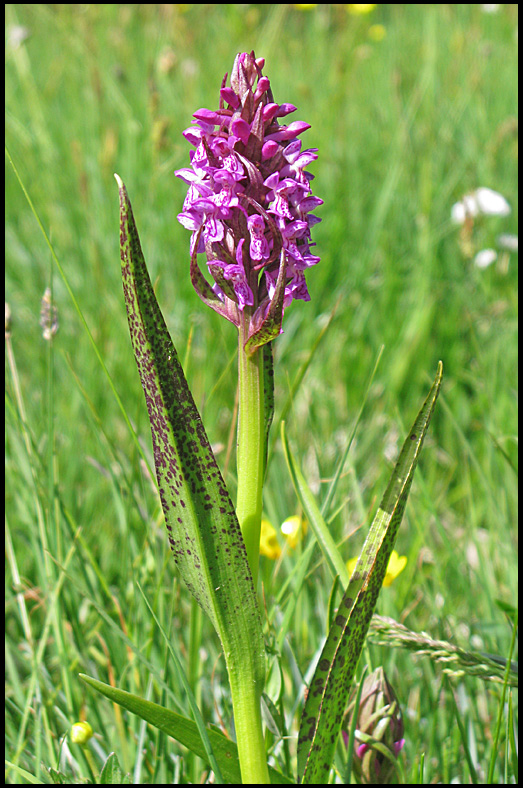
x: 203, y: 529
x: 326, y: 701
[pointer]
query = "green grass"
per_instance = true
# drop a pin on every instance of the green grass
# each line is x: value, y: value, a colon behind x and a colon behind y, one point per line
x: 404, y: 128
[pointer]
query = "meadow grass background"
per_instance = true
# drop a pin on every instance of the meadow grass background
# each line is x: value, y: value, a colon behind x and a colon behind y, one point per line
x: 405, y: 126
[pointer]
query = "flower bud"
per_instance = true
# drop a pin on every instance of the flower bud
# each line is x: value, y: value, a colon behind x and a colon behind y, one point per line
x: 81, y: 732
x: 379, y: 730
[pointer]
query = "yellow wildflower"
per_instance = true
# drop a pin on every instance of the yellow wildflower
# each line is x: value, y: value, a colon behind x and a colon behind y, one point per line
x: 361, y: 8
x: 305, y: 6
x: 396, y: 565
x: 377, y: 32
x: 292, y: 528
x: 269, y: 545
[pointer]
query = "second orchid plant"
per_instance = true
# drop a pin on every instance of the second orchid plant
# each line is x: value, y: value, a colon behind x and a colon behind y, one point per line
x: 249, y: 207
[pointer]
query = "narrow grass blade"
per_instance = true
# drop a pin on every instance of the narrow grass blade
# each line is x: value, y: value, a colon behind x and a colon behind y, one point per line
x: 183, y: 730
x: 210, y: 758
x: 326, y: 701
x: 30, y: 778
x: 464, y: 740
x: 511, y: 739
x: 203, y: 529
x: 302, y: 372
x: 78, y: 310
x: 313, y: 514
x: 333, y: 485
x: 501, y: 705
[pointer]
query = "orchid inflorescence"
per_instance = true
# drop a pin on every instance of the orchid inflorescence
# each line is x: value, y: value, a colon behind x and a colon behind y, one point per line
x: 249, y: 202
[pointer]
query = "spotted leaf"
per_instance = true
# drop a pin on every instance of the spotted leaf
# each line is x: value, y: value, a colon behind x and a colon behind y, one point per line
x: 202, y: 526
x: 329, y: 689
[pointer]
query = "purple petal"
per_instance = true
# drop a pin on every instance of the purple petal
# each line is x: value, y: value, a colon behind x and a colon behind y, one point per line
x: 292, y: 151
x: 240, y: 128
x: 191, y: 220
x: 186, y: 173
x: 298, y: 288
x: 210, y: 116
x: 286, y: 109
x: 295, y: 229
x: 224, y: 178
x: 262, y: 86
x: 269, y: 149
x: 290, y: 131
x: 272, y: 181
x: 270, y: 111
x: 193, y: 135
x: 230, y: 97
x: 310, y: 203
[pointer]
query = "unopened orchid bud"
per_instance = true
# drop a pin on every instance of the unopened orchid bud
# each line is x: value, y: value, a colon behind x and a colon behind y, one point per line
x: 249, y: 203
x: 379, y: 730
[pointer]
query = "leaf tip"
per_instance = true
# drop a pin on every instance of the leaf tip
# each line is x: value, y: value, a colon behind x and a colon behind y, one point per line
x: 439, y: 376
x: 119, y: 181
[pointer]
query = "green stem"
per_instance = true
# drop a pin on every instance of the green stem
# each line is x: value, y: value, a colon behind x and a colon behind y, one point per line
x: 249, y: 732
x: 250, y: 456
x: 246, y: 696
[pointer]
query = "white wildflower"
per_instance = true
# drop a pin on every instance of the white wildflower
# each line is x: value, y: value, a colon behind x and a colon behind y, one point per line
x: 16, y: 35
x: 483, y: 201
x: 485, y: 258
x: 491, y: 203
x: 466, y: 208
x: 508, y: 242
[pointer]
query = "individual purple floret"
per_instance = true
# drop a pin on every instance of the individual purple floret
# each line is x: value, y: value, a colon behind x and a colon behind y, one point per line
x: 249, y: 203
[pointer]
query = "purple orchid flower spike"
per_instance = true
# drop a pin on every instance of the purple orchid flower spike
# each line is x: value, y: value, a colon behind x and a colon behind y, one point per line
x: 249, y: 203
